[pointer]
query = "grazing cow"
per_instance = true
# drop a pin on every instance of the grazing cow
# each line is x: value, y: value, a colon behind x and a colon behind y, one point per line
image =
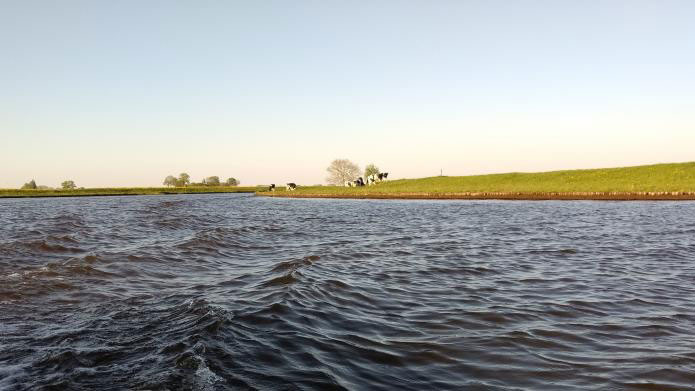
x: 291, y: 186
x: 359, y: 182
x: 371, y: 179
x: 271, y: 187
x: 383, y: 176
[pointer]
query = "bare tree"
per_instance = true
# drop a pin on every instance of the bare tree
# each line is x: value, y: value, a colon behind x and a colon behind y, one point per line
x: 170, y: 181
x: 342, y: 170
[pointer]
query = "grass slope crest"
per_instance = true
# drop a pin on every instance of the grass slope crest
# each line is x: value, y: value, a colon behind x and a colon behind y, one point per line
x: 651, y: 181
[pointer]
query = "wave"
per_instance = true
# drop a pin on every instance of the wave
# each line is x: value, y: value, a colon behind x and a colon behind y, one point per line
x: 217, y: 292
x: 37, y: 248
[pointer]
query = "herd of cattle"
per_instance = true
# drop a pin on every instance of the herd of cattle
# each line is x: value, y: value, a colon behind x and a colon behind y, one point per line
x: 371, y: 180
x: 290, y: 186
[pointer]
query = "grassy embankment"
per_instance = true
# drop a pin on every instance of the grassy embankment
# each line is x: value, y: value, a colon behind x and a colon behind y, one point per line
x: 660, y: 181
x: 123, y: 191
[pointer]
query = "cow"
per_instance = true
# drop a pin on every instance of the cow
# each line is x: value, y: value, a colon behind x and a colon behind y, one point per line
x: 382, y: 176
x: 271, y: 187
x: 371, y: 179
x: 291, y: 186
x: 356, y: 183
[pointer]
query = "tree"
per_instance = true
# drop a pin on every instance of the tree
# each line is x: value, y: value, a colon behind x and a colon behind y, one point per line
x: 170, y: 181
x: 341, y: 171
x: 67, y: 185
x: 212, y: 181
x: 184, y: 180
x: 232, y: 182
x: 371, y: 169
x: 31, y: 185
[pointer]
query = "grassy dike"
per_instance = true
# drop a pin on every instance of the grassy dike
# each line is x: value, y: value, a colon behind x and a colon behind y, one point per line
x: 124, y: 191
x: 653, y: 182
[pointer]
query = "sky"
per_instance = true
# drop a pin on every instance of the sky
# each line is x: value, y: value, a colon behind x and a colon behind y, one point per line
x: 124, y: 93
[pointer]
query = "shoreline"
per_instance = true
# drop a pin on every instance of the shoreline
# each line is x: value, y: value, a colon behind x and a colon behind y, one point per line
x: 511, y: 196
x: 111, y: 193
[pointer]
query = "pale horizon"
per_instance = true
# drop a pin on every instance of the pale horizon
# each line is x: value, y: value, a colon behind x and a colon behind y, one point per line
x: 124, y: 94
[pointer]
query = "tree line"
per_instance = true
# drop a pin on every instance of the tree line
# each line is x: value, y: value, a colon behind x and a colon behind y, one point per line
x: 184, y: 180
x: 31, y: 185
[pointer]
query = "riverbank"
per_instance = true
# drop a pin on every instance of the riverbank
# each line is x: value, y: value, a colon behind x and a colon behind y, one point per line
x: 662, y: 196
x: 125, y: 191
x: 654, y: 182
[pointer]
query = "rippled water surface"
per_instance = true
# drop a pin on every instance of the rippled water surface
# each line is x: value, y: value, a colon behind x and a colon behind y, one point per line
x: 217, y: 292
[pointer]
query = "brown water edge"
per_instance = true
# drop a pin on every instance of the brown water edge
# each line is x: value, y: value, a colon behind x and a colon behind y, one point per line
x: 520, y: 196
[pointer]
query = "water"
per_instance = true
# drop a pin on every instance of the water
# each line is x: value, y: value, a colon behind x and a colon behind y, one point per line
x: 217, y: 292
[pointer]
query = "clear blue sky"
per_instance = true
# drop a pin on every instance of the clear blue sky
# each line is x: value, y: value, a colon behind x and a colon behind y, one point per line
x: 126, y: 92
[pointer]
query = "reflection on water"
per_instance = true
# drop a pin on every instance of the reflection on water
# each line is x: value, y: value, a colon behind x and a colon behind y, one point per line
x: 215, y: 292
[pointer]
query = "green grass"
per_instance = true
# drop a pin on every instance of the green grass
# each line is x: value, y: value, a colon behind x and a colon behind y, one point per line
x: 677, y: 177
x: 125, y: 191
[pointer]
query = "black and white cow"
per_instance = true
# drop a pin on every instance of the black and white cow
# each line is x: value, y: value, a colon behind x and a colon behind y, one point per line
x: 376, y: 178
x: 271, y: 187
x: 291, y: 186
x: 356, y: 183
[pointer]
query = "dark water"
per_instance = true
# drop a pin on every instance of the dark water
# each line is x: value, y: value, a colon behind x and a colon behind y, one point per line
x: 216, y: 292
